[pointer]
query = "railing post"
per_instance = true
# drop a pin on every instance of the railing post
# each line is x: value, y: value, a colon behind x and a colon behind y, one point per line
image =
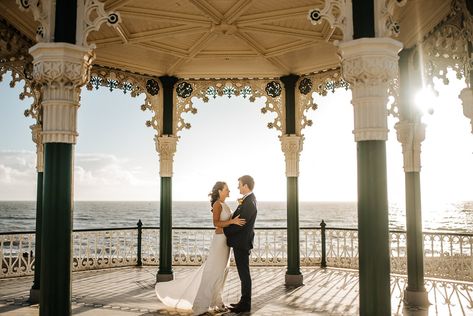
x: 140, y: 229
x: 323, y: 261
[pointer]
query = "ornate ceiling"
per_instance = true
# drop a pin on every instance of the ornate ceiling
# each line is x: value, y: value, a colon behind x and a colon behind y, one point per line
x: 226, y: 38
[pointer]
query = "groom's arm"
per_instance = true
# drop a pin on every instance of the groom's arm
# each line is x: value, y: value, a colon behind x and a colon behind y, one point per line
x: 247, y: 212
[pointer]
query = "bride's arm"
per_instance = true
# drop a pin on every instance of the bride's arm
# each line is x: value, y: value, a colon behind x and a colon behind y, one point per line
x: 217, y: 210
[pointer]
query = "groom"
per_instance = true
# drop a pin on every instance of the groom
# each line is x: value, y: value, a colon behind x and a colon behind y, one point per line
x: 240, y: 238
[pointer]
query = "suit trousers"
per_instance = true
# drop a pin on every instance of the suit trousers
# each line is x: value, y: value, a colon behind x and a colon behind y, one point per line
x: 242, y: 260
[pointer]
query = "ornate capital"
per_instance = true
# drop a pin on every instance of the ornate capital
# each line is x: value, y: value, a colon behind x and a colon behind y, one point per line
x: 166, y: 147
x: 410, y: 135
x: 369, y: 65
x: 291, y: 146
x: 60, y: 69
x: 36, y: 130
x: 466, y: 95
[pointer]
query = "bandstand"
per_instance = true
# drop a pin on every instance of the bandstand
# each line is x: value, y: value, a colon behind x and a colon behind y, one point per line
x: 282, y: 51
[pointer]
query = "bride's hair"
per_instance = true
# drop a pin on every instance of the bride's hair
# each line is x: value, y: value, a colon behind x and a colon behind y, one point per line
x: 214, y: 195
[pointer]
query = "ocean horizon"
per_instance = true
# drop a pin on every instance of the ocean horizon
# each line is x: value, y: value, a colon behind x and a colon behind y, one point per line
x: 448, y: 216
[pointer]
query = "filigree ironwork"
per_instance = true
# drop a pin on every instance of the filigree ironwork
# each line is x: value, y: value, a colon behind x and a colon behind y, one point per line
x: 305, y: 86
x: 152, y: 87
x: 273, y: 89
x: 251, y: 89
x: 447, y: 46
x: 41, y: 10
x: 92, y: 15
x: 14, y: 58
x: 338, y: 13
x: 136, y: 84
x: 386, y: 25
x: 320, y: 83
x: 184, y: 89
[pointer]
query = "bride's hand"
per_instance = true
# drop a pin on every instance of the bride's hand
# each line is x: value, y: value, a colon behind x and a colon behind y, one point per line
x: 238, y: 221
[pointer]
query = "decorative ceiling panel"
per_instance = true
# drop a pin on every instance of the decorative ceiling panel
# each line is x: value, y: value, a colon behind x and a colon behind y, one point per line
x: 221, y: 38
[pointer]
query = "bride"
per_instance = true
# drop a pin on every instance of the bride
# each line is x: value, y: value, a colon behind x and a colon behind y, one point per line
x: 202, y: 289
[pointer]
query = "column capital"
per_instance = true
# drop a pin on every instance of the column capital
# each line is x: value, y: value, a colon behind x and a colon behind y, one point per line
x: 60, y: 69
x: 466, y: 95
x: 410, y: 135
x: 369, y: 64
x: 166, y: 147
x: 36, y: 131
x: 291, y: 146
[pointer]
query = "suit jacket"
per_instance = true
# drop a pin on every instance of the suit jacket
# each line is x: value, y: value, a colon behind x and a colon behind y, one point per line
x: 241, y: 237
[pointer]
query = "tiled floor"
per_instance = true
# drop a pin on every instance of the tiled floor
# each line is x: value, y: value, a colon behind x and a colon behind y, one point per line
x: 130, y: 291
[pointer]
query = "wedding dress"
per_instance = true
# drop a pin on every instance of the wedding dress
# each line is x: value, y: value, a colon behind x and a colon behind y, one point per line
x: 202, y: 289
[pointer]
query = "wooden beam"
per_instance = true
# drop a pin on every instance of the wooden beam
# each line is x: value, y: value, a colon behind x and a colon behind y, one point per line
x: 289, y: 47
x: 194, y: 50
x: 237, y: 10
x: 283, y: 31
x: 165, y: 16
x: 164, y: 48
x: 276, y: 15
x: 154, y: 34
x: 117, y: 4
x: 208, y: 9
x: 261, y: 51
x: 121, y: 30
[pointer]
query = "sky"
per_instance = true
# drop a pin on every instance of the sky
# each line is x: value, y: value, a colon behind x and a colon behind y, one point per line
x: 116, y: 159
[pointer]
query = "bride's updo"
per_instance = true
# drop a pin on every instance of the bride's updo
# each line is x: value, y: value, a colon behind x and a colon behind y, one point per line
x: 214, y: 195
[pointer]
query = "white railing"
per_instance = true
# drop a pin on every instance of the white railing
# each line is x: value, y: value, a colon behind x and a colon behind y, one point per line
x: 446, y: 255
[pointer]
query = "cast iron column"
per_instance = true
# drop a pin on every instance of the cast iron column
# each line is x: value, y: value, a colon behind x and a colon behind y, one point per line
x: 61, y: 68
x: 410, y: 133
x: 166, y: 147
x: 291, y: 144
x: 368, y: 64
x: 36, y: 135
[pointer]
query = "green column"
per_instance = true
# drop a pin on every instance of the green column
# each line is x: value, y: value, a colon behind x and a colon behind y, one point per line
x: 293, y: 274
x: 165, y: 272
x: 293, y: 255
x: 411, y: 135
x: 34, y: 292
x: 415, y: 239
x: 56, y: 236
x: 373, y: 229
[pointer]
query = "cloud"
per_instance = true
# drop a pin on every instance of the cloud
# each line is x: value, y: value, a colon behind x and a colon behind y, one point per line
x: 96, y: 176
x: 104, y: 169
x: 17, y: 167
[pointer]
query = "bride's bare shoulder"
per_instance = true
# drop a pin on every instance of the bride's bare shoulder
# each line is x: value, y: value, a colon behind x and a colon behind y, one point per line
x: 217, y: 206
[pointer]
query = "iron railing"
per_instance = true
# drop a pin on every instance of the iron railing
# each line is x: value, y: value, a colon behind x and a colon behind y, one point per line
x: 446, y: 255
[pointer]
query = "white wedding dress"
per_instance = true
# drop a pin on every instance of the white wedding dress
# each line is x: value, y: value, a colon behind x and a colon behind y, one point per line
x: 202, y: 289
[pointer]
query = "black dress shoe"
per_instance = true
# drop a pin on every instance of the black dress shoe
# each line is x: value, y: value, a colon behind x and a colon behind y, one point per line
x: 234, y: 304
x: 240, y: 308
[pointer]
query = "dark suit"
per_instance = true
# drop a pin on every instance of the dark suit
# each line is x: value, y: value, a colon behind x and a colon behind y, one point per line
x: 240, y: 238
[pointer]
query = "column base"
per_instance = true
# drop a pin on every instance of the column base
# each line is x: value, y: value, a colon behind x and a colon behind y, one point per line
x: 416, y: 298
x: 34, y: 296
x: 164, y: 277
x: 294, y: 280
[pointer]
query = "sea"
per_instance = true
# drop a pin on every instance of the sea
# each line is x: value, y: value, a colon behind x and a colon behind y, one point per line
x: 19, y: 216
